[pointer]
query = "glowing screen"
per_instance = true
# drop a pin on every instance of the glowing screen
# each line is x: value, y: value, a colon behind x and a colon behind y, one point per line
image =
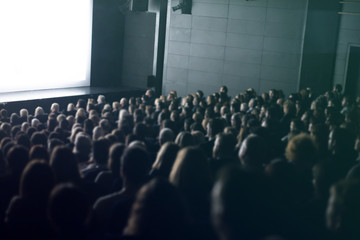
x: 44, y: 44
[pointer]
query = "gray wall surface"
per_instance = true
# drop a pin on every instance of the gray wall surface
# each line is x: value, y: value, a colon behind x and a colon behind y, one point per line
x: 238, y: 43
x: 319, y: 51
x: 349, y: 34
x: 139, y: 40
x: 107, y: 44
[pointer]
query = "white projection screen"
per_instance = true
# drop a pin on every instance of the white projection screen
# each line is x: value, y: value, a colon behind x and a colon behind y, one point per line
x: 44, y: 44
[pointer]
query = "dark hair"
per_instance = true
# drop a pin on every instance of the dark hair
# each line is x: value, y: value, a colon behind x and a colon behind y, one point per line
x: 165, y: 159
x: 64, y: 165
x: 37, y: 180
x: 39, y: 152
x: 115, y: 153
x: 68, y: 208
x: 101, y: 150
x: 39, y: 138
x: 158, y: 212
x: 17, y: 158
x: 135, y: 164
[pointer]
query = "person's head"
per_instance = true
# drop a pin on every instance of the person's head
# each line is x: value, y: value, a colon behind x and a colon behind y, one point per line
x: 166, y: 135
x: 16, y: 158
x: 253, y: 152
x: 343, y: 210
x: 236, y: 121
x: 36, y: 181
x: 14, y: 119
x: 55, y: 108
x: 68, y: 209
x: 101, y: 99
x: 214, y: 127
x: 240, y: 205
x: 224, y: 146
x: 22, y: 139
x: 39, y: 138
x: 223, y: 89
x: 337, y: 88
x: 135, y: 165
x: 98, y: 132
x: 101, y: 151
x: 140, y: 131
x: 301, y: 151
x: 25, y: 126
x: 190, y: 172
x: 289, y: 108
x: 158, y: 212
x: 341, y: 142
x: 35, y: 123
x: 166, y: 158
x: 70, y: 107
x: 115, y: 153
x: 64, y: 165
x: 184, y: 139
x: 82, y: 144
x: 39, y: 152
x: 39, y: 111
x: 325, y: 174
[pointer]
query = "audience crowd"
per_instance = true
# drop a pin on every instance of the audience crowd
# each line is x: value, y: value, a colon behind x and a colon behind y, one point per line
x: 249, y: 167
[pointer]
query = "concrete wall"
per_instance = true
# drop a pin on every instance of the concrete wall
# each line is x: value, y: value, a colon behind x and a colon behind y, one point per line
x: 107, y: 44
x: 349, y: 34
x: 319, y: 51
x: 139, y: 40
x: 237, y: 43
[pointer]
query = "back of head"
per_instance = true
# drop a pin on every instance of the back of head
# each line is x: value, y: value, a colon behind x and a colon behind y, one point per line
x: 68, y: 208
x: 239, y: 205
x: 135, y: 165
x: 115, y: 153
x: 343, y: 212
x: 166, y: 135
x: 302, y: 151
x: 158, y: 212
x: 37, y: 181
x: 224, y: 145
x: 64, y: 165
x: 215, y: 126
x: 190, y: 172
x: 101, y: 150
x: 98, y: 132
x: 39, y: 152
x: 54, y: 143
x: 17, y: 158
x: 253, y: 152
x: 39, y: 138
x: 23, y: 139
x: 82, y: 144
x: 140, y: 130
x: 184, y: 139
x: 341, y: 142
x: 165, y: 158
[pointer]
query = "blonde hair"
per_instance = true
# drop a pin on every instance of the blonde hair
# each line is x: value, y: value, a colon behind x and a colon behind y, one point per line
x: 301, y: 150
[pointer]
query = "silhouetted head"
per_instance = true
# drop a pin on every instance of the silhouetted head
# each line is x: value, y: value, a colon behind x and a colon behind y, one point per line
x: 343, y: 210
x: 240, y: 205
x: 166, y: 158
x: 64, y: 165
x: 36, y: 181
x: 253, y: 152
x: 158, y: 212
x: 135, y: 165
x: 184, y: 139
x: 68, y: 209
x: 17, y: 157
